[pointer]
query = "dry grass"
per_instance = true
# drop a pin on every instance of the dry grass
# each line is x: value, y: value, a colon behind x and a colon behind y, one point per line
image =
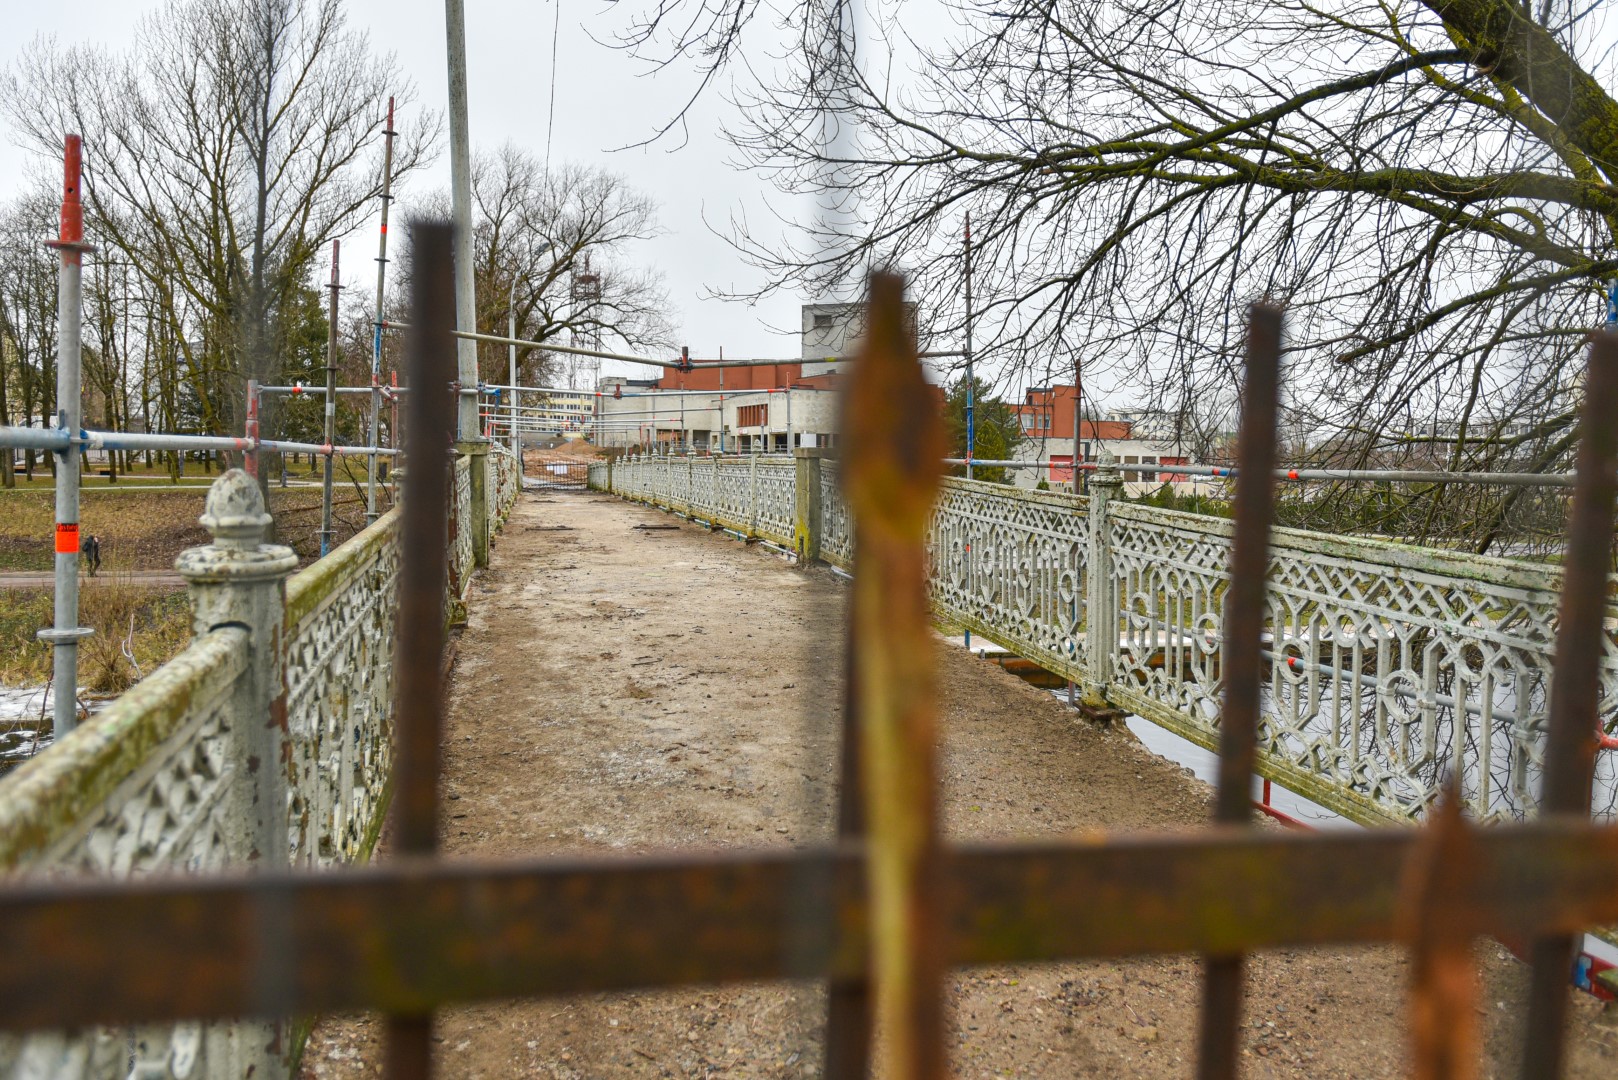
x: 146, y: 529
x: 136, y: 630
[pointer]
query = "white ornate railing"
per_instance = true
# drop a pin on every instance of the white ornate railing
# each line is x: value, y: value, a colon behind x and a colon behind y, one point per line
x: 753, y: 496
x: 461, y: 551
x: 194, y: 770
x: 505, y: 483
x: 1011, y: 566
x: 339, y: 685
x: 1391, y: 666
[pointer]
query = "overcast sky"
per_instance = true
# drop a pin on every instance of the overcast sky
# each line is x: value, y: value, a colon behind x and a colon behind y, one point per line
x: 602, y: 102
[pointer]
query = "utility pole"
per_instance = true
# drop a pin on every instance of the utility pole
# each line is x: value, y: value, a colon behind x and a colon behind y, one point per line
x: 376, y: 336
x: 971, y: 386
x: 65, y: 632
x: 326, y: 533
x: 460, y: 167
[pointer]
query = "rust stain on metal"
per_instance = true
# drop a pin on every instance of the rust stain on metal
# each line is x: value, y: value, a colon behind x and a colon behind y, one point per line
x: 1574, y: 723
x: 894, y: 441
x: 1243, y: 657
x: 423, y: 574
x: 1437, y: 924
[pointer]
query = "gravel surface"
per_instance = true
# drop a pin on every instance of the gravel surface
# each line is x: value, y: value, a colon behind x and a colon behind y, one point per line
x: 622, y: 690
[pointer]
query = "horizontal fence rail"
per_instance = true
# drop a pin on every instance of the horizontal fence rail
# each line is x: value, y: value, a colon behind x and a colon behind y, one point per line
x: 442, y: 932
x: 1389, y: 666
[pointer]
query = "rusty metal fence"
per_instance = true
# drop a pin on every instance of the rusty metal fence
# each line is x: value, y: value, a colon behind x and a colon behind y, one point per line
x: 881, y: 914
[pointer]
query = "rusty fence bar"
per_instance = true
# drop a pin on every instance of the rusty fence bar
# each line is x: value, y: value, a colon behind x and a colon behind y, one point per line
x: 418, y: 727
x: 412, y: 934
x: 1581, y: 639
x: 1244, y: 630
x: 894, y: 441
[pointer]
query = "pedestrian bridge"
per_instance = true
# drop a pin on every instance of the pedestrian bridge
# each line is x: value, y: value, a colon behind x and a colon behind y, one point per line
x: 1390, y: 668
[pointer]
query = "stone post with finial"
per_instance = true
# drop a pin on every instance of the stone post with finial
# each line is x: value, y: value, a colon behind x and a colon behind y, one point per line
x: 238, y: 580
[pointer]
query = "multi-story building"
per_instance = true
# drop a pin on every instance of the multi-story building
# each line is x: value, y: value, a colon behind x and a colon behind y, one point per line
x: 750, y: 419
x: 1046, y: 417
x: 568, y: 413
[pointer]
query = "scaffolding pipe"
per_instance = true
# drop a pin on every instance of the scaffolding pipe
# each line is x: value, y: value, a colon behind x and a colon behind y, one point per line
x: 1387, y: 475
x: 498, y: 339
x: 971, y: 388
x: 251, y: 429
x: 56, y: 440
x: 300, y: 390
x: 376, y: 335
x: 326, y: 532
x: 674, y: 365
x: 511, y: 360
x: 65, y: 632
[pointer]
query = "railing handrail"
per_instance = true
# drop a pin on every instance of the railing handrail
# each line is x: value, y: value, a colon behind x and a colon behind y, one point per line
x: 48, y: 797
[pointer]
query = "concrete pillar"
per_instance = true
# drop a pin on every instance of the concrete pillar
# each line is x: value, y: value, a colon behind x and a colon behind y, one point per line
x: 240, y: 581
x: 752, y: 496
x: 1101, y: 620
x: 478, y: 453
x: 806, y: 504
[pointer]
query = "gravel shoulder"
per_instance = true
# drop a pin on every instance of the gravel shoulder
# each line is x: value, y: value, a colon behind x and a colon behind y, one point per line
x: 623, y: 686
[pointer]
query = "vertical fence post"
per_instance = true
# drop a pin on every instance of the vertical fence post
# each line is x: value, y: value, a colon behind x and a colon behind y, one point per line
x: 1101, y: 620
x: 238, y: 580
x: 477, y: 451
x: 806, y: 504
x: 752, y: 496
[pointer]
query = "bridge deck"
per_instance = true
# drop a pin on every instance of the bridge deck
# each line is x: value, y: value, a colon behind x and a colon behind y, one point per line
x: 624, y: 686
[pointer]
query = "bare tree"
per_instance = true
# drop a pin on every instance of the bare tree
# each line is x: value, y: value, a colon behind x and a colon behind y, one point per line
x: 1426, y: 184
x: 27, y: 317
x: 224, y: 151
x: 559, y: 248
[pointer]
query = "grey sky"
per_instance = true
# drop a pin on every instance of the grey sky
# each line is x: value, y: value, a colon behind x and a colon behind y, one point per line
x: 601, y: 103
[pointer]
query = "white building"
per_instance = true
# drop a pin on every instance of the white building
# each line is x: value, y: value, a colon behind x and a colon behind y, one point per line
x: 776, y: 421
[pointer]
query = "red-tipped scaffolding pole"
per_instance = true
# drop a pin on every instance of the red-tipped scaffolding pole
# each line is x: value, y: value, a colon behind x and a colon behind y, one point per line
x: 376, y: 337
x: 251, y: 429
x: 65, y: 633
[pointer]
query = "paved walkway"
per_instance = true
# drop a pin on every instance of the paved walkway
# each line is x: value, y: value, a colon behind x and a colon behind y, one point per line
x: 625, y: 687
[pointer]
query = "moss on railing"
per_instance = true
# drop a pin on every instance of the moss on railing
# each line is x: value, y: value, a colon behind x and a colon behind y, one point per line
x: 47, y: 800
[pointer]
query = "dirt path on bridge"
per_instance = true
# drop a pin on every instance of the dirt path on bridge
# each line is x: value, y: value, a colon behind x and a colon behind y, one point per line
x: 624, y: 686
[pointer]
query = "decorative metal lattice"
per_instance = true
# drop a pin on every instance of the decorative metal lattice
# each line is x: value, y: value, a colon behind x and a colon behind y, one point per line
x: 339, y: 679
x: 1012, y: 565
